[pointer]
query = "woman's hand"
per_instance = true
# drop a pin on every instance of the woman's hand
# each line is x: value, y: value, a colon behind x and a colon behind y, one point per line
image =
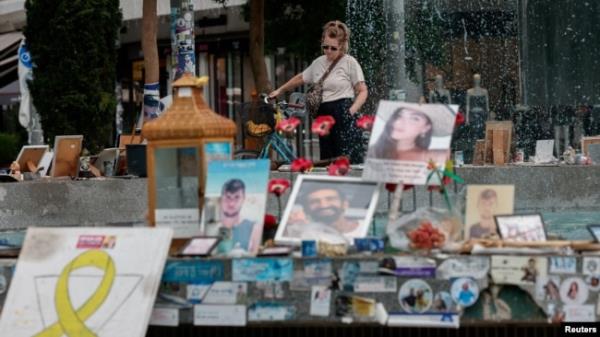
x: 274, y: 93
x: 353, y: 110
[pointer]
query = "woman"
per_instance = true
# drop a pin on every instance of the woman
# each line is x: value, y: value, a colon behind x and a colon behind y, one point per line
x: 345, y: 82
x: 407, y: 135
x: 573, y: 291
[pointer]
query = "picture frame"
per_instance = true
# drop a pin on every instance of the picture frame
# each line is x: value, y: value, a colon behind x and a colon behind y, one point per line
x: 521, y: 227
x: 110, y: 154
x: 482, y: 203
x: 353, y: 199
x: 31, y: 154
x: 595, y: 231
x: 586, y: 142
x: 199, y: 246
x: 67, y: 150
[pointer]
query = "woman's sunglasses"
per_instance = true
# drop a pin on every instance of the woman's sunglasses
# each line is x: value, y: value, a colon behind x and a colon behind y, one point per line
x: 326, y: 47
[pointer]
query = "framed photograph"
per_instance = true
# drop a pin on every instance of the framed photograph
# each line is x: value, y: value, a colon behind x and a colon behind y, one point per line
x: 595, y: 230
x: 235, y: 202
x: 67, y: 150
x: 199, y: 246
x: 108, y: 155
x: 323, y: 207
x: 405, y: 138
x: 483, y: 202
x: 30, y: 157
x: 522, y: 227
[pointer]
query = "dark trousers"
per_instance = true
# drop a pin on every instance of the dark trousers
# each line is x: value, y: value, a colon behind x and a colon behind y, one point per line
x: 345, y: 137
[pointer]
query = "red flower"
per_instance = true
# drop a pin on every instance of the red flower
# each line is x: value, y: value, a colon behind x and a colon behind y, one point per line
x: 288, y: 125
x: 366, y: 122
x: 270, y: 221
x: 460, y: 119
x: 302, y: 165
x: 278, y: 186
x: 340, y: 167
x: 445, y: 181
x: 322, y: 124
x: 392, y: 187
x: 426, y: 236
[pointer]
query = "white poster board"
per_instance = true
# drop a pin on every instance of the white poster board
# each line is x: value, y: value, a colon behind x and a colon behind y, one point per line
x: 102, y: 281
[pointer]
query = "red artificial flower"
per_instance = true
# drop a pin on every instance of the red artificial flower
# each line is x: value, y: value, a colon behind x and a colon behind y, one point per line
x: 270, y: 221
x: 278, y: 186
x: 302, y: 165
x: 340, y: 167
x: 460, y: 119
x: 392, y: 187
x: 366, y: 122
x: 288, y: 125
x: 426, y: 236
x: 322, y: 125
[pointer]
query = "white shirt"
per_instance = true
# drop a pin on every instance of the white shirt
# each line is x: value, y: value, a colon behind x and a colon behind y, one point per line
x: 340, y: 82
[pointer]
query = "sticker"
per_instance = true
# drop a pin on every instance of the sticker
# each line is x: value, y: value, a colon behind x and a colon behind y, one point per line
x: 96, y: 241
x: 465, y: 291
x: 320, y: 300
x: 263, y: 269
x: 219, y: 315
x: 408, y: 266
x: 445, y: 320
x: 165, y: 317
x: 591, y: 265
x: 354, y: 306
x: 302, y: 283
x: 227, y: 293
x: 376, y: 284
x: 415, y: 296
x: 271, y: 290
x: 547, y: 288
x: 579, y: 313
x: 593, y: 282
x: 476, y: 267
x: 443, y: 302
x: 196, y: 292
x: 574, y: 291
x: 369, y: 267
x: 317, y: 268
x: 518, y: 270
x: 349, y: 274
x: 193, y: 272
x: 266, y: 311
x: 563, y: 265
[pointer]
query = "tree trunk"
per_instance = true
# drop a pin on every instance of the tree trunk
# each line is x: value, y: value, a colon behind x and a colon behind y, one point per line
x: 257, y: 46
x: 149, y: 47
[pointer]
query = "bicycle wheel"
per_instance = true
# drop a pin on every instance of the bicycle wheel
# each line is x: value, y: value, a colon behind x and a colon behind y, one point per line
x: 246, y: 154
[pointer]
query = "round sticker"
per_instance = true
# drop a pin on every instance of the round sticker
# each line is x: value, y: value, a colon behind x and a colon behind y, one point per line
x: 443, y: 302
x: 465, y: 291
x: 573, y: 291
x: 593, y: 282
x: 415, y: 296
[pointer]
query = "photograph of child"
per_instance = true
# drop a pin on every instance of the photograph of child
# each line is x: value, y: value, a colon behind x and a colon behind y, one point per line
x: 234, y: 209
x: 405, y: 138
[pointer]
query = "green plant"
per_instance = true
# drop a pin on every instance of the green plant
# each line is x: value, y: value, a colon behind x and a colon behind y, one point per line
x: 73, y: 49
x: 10, y: 143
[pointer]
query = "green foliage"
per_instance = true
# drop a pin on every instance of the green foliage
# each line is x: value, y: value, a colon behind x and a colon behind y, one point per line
x: 425, y: 42
x: 73, y: 48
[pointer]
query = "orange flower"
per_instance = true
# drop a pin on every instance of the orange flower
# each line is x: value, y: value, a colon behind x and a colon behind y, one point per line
x: 340, y: 167
x: 322, y: 125
x: 278, y: 186
x: 288, y: 125
x: 366, y: 122
x: 302, y: 165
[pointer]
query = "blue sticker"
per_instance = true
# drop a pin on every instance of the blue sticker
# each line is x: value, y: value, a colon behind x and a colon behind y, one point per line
x: 193, y: 272
x: 252, y: 270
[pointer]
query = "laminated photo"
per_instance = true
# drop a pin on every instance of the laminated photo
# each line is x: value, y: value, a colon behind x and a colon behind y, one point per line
x: 405, y: 138
x: 234, y: 209
x: 483, y: 203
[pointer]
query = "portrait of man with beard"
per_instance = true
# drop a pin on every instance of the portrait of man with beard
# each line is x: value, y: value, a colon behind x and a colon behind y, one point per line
x: 335, y: 210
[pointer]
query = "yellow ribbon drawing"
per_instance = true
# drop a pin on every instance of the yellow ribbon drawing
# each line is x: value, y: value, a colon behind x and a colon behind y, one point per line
x: 71, y: 322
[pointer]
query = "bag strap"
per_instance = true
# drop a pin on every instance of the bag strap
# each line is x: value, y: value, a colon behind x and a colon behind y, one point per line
x: 330, y: 69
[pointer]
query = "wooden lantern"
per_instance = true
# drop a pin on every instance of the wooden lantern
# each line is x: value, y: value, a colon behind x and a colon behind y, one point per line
x: 181, y: 142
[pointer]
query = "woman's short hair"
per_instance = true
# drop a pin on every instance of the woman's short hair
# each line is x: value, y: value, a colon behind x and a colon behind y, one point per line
x: 339, y: 31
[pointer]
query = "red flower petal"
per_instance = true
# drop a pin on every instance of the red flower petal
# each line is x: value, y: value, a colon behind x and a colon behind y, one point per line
x: 460, y: 119
x: 366, y: 122
x: 270, y: 221
x: 278, y: 186
x: 322, y: 125
x: 340, y: 167
x: 301, y: 165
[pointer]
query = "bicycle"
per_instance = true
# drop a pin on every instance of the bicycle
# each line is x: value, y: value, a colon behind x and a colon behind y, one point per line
x: 281, y: 110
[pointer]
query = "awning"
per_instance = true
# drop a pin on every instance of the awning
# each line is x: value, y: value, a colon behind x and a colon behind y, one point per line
x: 8, y: 40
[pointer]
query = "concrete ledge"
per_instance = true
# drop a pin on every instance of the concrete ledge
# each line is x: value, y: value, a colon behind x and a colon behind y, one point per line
x: 64, y: 202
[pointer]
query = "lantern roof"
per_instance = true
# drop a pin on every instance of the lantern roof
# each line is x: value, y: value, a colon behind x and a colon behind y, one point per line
x: 189, y: 117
